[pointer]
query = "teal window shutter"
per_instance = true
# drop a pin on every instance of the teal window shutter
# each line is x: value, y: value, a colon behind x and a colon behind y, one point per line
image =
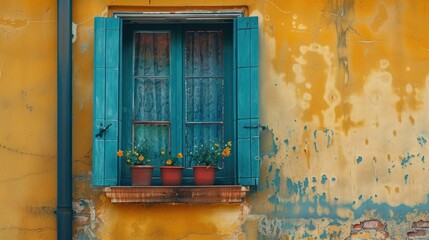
x: 107, y: 52
x: 246, y: 88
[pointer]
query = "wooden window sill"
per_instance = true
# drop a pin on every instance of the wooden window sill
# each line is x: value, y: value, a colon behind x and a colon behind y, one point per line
x: 177, y: 194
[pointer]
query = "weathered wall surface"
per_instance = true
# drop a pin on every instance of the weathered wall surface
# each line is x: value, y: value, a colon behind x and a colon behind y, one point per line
x: 27, y: 119
x: 344, y: 105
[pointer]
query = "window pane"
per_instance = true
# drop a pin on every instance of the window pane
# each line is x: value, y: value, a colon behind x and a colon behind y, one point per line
x: 204, y: 84
x: 151, y: 99
x: 198, y: 133
x: 204, y: 53
x: 156, y: 136
x: 152, y: 54
x: 204, y: 100
x: 151, y: 116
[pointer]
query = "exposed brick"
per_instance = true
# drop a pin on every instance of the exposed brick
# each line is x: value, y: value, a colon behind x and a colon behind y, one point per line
x: 417, y: 234
x: 357, y: 226
x: 421, y: 224
x: 372, y: 224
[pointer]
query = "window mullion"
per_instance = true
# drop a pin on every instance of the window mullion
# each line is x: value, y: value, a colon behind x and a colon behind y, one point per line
x: 177, y: 116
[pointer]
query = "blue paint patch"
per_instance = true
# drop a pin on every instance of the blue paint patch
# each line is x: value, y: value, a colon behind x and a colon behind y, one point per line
x: 267, y: 184
x: 305, y: 127
x: 335, y: 223
x: 305, y: 235
x: 422, y: 141
x: 359, y: 160
x: 270, y: 169
x: 333, y: 179
x: 324, y: 179
x: 313, y: 188
x: 314, y: 179
x: 311, y: 226
x: 423, y: 159
x: 315, y: 133
x: 389, y: 170
x: 306, y: 206
x: 324, y: 235
x: 315, y: 147
x: 286, y: 141
x: 406, y: 178
x: 294, y: 148
x: 336, y: 198
x: 328, y: 133
x: 407, y: 160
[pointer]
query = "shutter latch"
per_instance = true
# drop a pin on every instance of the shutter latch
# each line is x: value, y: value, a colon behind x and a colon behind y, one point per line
x: 102, y: 130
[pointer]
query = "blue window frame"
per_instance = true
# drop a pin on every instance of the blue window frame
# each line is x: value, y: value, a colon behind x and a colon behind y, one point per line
x: 178, y: 84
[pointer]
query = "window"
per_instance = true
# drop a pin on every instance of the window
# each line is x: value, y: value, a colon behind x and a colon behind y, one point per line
x: 176, y: 85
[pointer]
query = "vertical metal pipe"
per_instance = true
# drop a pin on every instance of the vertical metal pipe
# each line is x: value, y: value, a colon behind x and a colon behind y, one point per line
x: 64, y: 120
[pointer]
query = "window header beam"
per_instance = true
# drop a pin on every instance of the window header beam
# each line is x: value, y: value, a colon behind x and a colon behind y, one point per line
x: 179, y: 16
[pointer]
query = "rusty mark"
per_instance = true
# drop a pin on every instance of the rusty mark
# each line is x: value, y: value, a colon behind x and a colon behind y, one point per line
x: 412, y: 120
x: 29, y: 107
x: 387, y: 188
x: 343, y: 20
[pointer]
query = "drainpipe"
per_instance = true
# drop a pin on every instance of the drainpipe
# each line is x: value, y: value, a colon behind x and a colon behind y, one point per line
x: 64, y: 120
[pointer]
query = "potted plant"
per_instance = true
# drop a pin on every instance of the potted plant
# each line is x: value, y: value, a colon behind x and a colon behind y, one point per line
x: 139, y: 163
x: 207, y: 157
x: 171, y: 172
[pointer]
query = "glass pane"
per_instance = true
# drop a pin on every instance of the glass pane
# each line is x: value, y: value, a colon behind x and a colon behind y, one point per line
x: 196, y: 134
x: 151, y: 99
x: 152, y: 54
x: 204, y: 87
x: 204, y: 100
x: 157, y: 137
x: 204, y: 53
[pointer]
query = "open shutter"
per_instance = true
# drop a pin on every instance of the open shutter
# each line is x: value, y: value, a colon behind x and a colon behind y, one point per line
x: 107, y: 52
x: 246, y: 118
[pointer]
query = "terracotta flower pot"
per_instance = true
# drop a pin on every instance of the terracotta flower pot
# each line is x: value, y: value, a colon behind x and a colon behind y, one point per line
x: 171, y: 175
x: 141, y: 175
x: 204, y: 175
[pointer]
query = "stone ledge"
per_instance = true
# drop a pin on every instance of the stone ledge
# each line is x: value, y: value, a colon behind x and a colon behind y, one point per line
x: 177, y: 194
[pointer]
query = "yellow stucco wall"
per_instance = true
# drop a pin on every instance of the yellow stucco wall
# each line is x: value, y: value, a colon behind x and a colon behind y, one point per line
x: 344, y: 102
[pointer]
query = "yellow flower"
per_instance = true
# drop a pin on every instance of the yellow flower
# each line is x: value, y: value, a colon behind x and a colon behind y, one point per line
x: 136, y: 153
x: 141, y: 158
x: 128, y: 160
x: 226, y: 152
x: 169, y: 162
x: 162, y: 152
x: 229, y: 143
x: 180, y: 155
x: 120, y: 153
x: 128, y: 154
x: 216, y: 145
